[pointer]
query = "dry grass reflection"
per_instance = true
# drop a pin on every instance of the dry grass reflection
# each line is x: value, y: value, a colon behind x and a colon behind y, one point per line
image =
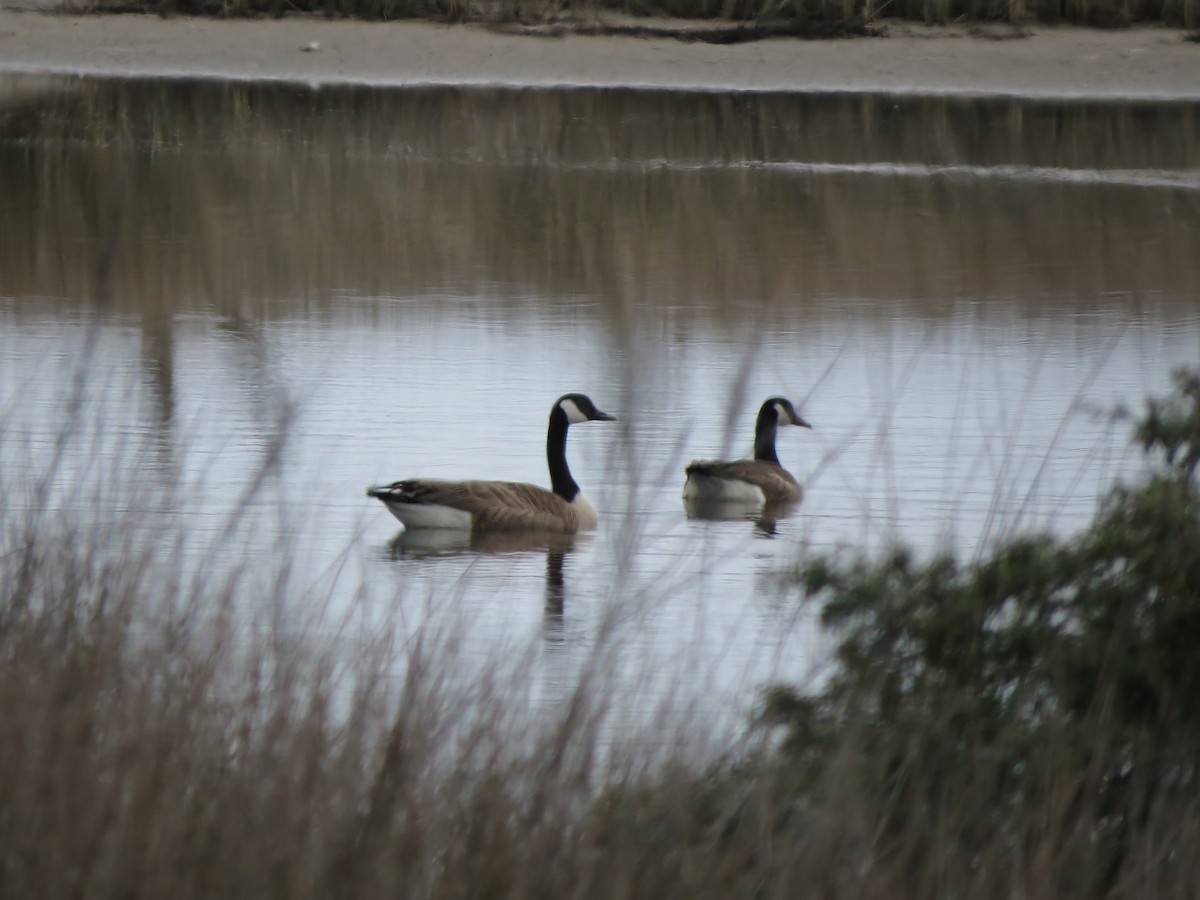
x: 272, y: 201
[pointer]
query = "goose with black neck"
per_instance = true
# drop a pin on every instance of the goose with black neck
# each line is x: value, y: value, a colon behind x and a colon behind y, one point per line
x: 504, y: 505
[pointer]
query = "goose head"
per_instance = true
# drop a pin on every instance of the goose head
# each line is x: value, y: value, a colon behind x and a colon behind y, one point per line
x: 779, y: 411
x: 579, y: 408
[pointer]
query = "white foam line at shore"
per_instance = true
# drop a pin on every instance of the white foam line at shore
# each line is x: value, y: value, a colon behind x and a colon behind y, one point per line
x: 232, y: 74
x: 1170, y: 179
x: 1148, y: 178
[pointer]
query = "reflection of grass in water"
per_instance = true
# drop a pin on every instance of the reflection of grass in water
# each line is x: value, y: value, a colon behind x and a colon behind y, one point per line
x: 261, y: 201
x: 1026, y: 721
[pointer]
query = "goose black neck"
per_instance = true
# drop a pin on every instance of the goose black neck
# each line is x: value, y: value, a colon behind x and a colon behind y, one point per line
x: 561, y: 481
x: 764, y: 437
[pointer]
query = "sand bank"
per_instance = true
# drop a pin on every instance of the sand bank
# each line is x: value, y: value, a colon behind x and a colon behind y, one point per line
x: 1147, y: 62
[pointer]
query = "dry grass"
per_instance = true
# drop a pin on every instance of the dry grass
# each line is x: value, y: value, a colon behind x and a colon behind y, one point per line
x: 732, y: 20
x: 152, y: 754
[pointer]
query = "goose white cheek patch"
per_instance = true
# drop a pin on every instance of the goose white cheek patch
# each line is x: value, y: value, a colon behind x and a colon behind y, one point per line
x: 784, y: 418
x: 574, y: 416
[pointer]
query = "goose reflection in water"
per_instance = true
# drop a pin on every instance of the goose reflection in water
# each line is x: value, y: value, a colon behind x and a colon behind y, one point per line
x: 553, y: 627
x: 766, y: 517
x: 419, y: 544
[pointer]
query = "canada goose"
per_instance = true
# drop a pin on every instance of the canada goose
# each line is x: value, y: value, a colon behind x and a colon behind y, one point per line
x: 504, y: 505
x: 758, y: 480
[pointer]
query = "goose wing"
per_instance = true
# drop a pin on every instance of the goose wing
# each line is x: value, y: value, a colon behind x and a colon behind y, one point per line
x: 493, y: 505
x: 776, y: 483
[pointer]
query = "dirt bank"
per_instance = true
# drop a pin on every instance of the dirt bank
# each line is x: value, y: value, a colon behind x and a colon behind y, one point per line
x: 1148, y: 62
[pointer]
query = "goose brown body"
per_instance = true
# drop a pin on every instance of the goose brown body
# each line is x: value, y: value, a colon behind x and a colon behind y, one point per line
x: 491, y: 505
x: 776, y: 484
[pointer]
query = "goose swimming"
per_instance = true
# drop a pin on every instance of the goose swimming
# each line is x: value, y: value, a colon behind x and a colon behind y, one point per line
x: 504, y: 505
x: 758, y: 480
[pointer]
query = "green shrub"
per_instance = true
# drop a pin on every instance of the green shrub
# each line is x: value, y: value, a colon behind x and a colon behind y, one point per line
x: 1049, y: 694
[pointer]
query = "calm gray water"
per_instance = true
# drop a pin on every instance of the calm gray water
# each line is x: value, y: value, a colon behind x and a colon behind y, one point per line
x: 955, y: 293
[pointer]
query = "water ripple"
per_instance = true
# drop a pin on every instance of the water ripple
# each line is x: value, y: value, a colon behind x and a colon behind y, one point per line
x: 1147, y: 178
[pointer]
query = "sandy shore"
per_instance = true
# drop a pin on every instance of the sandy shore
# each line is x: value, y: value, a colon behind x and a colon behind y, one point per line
x: 1051, y: 62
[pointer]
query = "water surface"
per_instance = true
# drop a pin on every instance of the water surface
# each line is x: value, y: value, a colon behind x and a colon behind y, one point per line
x: 349, y: 286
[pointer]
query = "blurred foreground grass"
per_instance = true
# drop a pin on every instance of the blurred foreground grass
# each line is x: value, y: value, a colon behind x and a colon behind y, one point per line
x: 1023, y: 725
